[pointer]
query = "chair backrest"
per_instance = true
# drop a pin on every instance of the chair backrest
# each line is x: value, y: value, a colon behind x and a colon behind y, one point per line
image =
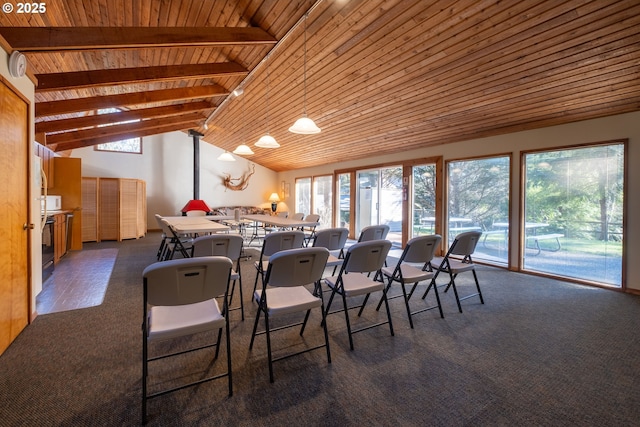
x: 297, y: 216
x: 465, y: 243
x: 159, y: 221
x: 312, y: 218
x: 283, y: 214
x: 282, y: 240
x: 364, y: 257
x: 196, y: 213
x: 166, y: 228
x: 421, y: 249
x: 296, y: 267
x: 331, y: 238
x: 229, y: 245
x: 186, y: 281
x: 374, y: 232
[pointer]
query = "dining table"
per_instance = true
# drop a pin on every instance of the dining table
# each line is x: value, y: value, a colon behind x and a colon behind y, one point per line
x: 276, y: 221
x: 195, y: 225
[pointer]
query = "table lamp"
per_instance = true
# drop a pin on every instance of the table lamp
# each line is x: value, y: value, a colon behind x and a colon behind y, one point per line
x: 274, y: 199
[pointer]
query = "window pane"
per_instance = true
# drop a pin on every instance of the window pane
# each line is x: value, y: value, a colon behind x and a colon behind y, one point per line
x: 424, y: 200
x: 574, y: 213
x: 344, y: 200
x: 131, y: 145
x: 391, y: 202
x: 478, y: 196
x: 303, y: 195
x: 322, y: 195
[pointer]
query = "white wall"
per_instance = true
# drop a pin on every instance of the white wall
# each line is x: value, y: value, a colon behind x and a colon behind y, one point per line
x: 624, y: 126
x: 166, y: 166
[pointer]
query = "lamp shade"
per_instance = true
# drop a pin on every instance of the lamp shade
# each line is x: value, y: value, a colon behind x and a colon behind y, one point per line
x: 243, y: 150
x: 226, y: 157
x: 304, y: 126
x: 267, y: 141
x: 274, y: 197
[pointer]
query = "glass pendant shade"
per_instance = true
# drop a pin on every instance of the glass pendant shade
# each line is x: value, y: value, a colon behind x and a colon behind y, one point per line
x: 243, y: 150
x: 226, y: 157
x: 267, y: 141
x: 304, y: 126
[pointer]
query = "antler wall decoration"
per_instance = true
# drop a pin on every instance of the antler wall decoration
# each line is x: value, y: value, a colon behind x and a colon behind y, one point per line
x: 238, y: 184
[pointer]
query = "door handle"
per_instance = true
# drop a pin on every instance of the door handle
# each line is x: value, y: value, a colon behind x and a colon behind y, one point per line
x: 26, y: 226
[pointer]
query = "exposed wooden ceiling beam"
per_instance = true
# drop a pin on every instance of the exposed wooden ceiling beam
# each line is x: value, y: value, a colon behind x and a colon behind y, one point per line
x: 44, y: 39
x: 114, y: 138
x: 84, y: 79
x: 89, y: 137
x: 66, y: 106
x: 120, y: 117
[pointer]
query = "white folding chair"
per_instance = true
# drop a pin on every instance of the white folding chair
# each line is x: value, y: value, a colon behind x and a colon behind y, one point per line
x: 419, y: 250
x: 272, y: 243
x: 163, y: 238
x: 179, y: 299
x: 363, y: 257
x: 310, y: 231
x: 283, y: 293
x: 373, y: 232
x: 230, y: 246
x: 463, y: 246
x: 334, y: 240
x: 183, y: 244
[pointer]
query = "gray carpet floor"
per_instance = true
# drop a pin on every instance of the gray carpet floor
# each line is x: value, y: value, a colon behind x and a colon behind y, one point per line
x: 539, y: 352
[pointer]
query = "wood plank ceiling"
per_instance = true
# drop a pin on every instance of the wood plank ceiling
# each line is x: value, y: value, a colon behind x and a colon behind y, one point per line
x: 381, y: 76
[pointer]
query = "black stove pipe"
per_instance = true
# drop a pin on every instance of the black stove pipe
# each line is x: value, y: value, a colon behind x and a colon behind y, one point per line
x: 196, y: 163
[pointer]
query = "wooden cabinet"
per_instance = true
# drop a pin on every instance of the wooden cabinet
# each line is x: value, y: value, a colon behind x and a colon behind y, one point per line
x: 59, y: 236
x: 116, y: 209
x: 68, y: 184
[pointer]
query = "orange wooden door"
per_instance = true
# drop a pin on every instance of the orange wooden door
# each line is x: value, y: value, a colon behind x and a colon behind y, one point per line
x: 14, y: 276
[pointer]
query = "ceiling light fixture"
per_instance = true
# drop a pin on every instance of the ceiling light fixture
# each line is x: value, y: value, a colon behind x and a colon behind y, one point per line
x: 304, y: 125
x: 238, y: 91
x: 267, y: 141
x: 243, y: 150
x: 226, y: 157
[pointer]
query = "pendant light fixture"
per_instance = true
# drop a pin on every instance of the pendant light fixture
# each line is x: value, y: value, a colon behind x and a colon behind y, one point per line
x: 226, y: 157
x: 304, y: 125
x: 267, y: 141
x: 243, y: 149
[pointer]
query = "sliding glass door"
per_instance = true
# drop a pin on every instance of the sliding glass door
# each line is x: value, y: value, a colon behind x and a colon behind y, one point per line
x: 379, y: 200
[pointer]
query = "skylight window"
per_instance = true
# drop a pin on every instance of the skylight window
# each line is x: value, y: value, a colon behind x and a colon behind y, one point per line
x: 131, y: 145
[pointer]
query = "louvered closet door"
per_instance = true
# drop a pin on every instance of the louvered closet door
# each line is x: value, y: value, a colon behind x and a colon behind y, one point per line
x: 109, y: 211
x: 89, y: 209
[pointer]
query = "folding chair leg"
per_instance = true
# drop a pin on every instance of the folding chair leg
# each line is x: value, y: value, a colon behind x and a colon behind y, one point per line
x: 478, y: 286
x: 386, y: 303
x: 269, y: 355
x: 406, y: 303
x: 255, y: 326
x: 304, y: 322
x: 346, y: 316
x: 366, y: 298
x: 218, y: 340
